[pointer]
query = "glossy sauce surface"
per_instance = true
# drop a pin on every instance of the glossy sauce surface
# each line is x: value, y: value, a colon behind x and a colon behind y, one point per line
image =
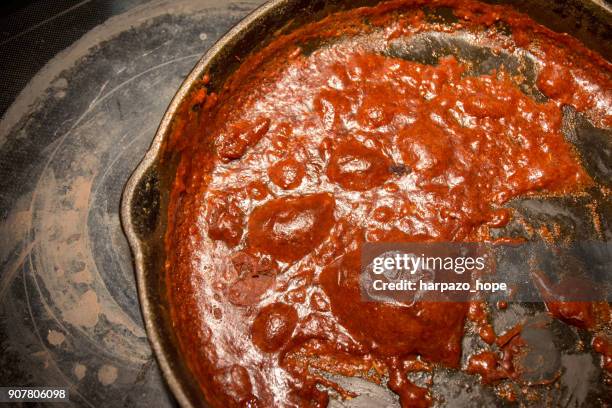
x: 305, y: 156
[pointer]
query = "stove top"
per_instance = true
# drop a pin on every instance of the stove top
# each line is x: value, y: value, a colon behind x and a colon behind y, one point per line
x: 84, y: 87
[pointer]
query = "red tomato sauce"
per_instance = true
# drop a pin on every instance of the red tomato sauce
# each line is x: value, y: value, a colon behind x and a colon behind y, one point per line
x: 303, y: 157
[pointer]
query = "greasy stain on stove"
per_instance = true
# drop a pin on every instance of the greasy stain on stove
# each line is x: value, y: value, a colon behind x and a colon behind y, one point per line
x: 69, y: 312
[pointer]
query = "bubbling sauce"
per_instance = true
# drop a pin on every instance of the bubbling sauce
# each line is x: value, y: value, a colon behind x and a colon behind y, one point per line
x: 303, y: 157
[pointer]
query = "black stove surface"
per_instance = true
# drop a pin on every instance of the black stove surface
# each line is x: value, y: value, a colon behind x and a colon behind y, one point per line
x: 84, y: 87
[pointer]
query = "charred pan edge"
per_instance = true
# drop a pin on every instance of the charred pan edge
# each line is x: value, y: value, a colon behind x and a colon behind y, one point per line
x: 246, y: 36
x: 147, y: 297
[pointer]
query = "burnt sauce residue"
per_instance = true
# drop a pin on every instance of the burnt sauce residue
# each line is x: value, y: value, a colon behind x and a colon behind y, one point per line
x: 307, y: 154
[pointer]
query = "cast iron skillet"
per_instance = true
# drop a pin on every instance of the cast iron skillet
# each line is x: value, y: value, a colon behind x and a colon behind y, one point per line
x: 144, y: 205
